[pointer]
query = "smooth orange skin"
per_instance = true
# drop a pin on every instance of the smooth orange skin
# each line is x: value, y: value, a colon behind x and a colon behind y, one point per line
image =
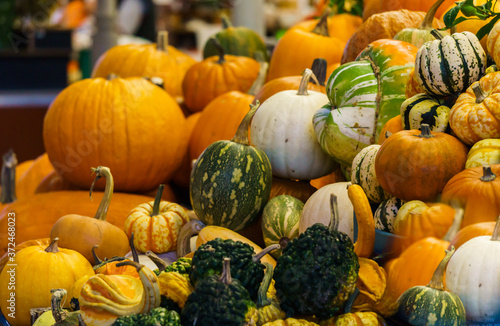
x: 472, y: 231
x: 412, y: 86
x: 284, y: 84
x: 393, y: 125
x: 341, y: 26
x: 480, y: 199
x: 127, y: 124
x: 36, y: 242
x: 28, y: 181
x: 183, y: 173
x: 335, y: 176
x: 414, y: 168
x: 208, y: 79
x: 415, y: 5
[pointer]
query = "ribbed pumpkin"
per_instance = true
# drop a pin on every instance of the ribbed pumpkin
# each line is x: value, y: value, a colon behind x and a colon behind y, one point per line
x: 342, y: 26
x: 476, y: 113
x: 156, y: 224
x: 392, y: 126
x: 363, y: 95
x: 450, y: 64
x: 492, y: 44
x: 282, y: 129
x: 5, y: 258
x: 471, y: 231
x: 147, y: 60
x: 217, y: 75
x: 38, y: 270
x: 386, y: 213
x: 416, y: 165
x: 300, y: 189
x: 432, y: 304
x: 280, y: 219
x: 231, y: 181
x: 477, y: 189
x: 484, y: 152
x: 123, y: 124
x: 313, y: 43
x: 424, y: 108
x: 363, y: 174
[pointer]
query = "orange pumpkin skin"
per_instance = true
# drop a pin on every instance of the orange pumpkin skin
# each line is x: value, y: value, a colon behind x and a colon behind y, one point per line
x: 480, y: 198
x: 207, y: 79
x: 124, y: 124
x: 181, y: 176
x: 342, y: 26
x: 219, y: 121
x: 472, y: 231
x: 54, y: 182
x: 472, y: 121
x: 393, y: 125
x: 370, y: 7
x: 415, y: 5
x: 410, y: 167
x: 283, y: 84
x: 412, y: 86
x: 146, y: 60
x: 335, y: 176
x: 28, y: 181
x: 36, y: 242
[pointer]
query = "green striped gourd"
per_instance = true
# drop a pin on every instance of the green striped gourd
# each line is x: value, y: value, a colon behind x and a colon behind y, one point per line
x: 386, y: 213
x: 432, y: 305
x: 231, y: 181
x: 424, y: 108
x: 280, y: 219
x: 451, y: 64
x: 364, y: 95
x: 363, y: 174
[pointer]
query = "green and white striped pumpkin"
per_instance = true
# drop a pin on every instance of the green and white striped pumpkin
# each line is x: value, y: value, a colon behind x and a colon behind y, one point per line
x: 363, y: 174
x: 280, y: 219
x: 231, y: 181
x: 432, y: 305
x: 451, y: 64
x: 386, y: 213
x: 424, y: 108
x: 364, y: 95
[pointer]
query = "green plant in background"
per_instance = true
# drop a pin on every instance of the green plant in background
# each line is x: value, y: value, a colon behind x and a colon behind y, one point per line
x: 472, y: 12
x: 353, y: 7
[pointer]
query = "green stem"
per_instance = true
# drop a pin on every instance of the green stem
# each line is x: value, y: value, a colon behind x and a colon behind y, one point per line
x: 334, y: 213
x: 307, y: 74
x: 135, y: 255
x: 226, y: 271
x: 436, y: 282
x: 219, y: 48
x: 53, y: 246
x: 241, y: 136
x: 496, y: 230
x: 226, y: 22
x: 321, y: 27
x: 479, y: 93
x: 162, y: 41
x: 8, y: 178
x: 425, y: 131
x: 350, y: 301
x: 264, y: 252
x: 157, y: 202
x: 457, y: 222
x: 57, y: 311
x: 103, y: 171
x: 429, y: 17
x: 262, y: 299
x: 488, y: 175
x: 319, y: 68
x: 261, y: 79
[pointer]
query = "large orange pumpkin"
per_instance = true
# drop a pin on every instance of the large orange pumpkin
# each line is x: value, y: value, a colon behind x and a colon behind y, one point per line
x: 129, y: 125
x: 478, y: 190
x: 472, y: 231
x: 392, y: 126
x: 147, y: 60
x: 342, y: 26
x: 415, y: 5
x: 28, y: 181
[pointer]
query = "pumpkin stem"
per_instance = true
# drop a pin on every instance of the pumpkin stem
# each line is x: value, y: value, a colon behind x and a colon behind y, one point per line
x: 307, y: 74
x: 436, y: 34
x: 226, y: 271
x: 8, y: 178
x: 334, y: 213
x: 261, y: 78
x: 265, y: 251
x: 135, y: 255
x: 262, y: 299
x: 496, y: 230
x: 241, y: 136
x: 56, y: 305
x: 160, y: 263
x: 226, y: 22
x: 162, y: 41
x: 126, y: 262
x: 157, y: 202
x: 429, y: 17
x: 480, y: 94
x: 321, y: 27
x: 425, y: 131
x: 219, y: 48
x: 103, y: 171
x: 319, y: 68
x: 457, y: 222
x: 488, y: 175
x: 97, y: 260
x: 187, y: 231
x: 53, y: 246
x: 388, y: 134
x: 112, y: 76
x: 436, y: 282
x: 350, y: 301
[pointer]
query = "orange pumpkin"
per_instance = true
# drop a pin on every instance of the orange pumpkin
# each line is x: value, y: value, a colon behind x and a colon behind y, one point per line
x: 28, y: 181
x: 54, y: 182
x: 335, y: 176
x: 370, y: 7
x: 384, y: 25
x: 415, y: 5
x: 147, y: 60
x: 340, y: 25
x: 301, y: 190
x: 477, y: 189
x: 476, y: 113
x: 392, y: 126
x: 472, y: 231
x: 130, y: 125
x: 217, y: 75
x: 36, y: 242
x: 416, y: 165
x: 413, y: 87
x: 315, y: 42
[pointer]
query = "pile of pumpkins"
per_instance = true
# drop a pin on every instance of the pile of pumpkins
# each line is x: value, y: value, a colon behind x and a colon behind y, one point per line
x: 394, y: 117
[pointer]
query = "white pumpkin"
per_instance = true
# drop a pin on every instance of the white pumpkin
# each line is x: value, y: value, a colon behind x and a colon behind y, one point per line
x: 473, y: 273
x: 282, y: 127
x: 317, y: 208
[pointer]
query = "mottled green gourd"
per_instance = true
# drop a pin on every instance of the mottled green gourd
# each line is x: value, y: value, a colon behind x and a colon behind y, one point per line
x: 317, y: 271
x: 157, y: 317
x: 431, y: 304
x: 231, y: 181
x: 246, y: 266
x: 268, y: 308
x: 182, y: 265
x: 219, y: 300
x: 386, y: 213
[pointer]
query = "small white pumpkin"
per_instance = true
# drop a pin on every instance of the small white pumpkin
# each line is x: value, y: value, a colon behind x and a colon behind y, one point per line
x: 282, y: 127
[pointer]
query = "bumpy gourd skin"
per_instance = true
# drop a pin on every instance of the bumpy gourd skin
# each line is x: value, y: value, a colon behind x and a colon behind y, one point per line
x: 214, y: 303
x: 157, y: 317
x: 207, y: 260
x: 316, y: 273
x: 181, y: 266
